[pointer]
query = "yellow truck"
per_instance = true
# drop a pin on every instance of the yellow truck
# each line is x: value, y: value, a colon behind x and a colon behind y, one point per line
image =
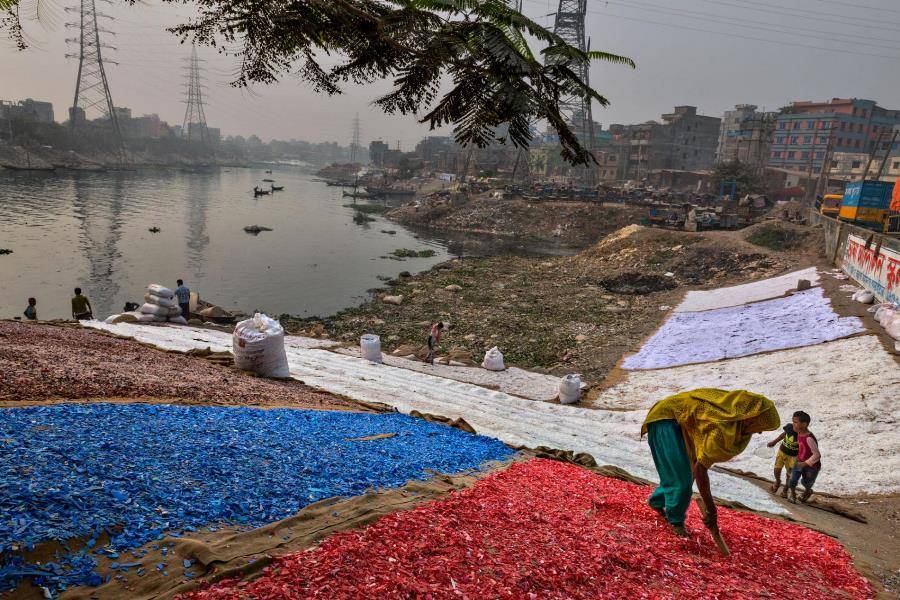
x: 831, y: 205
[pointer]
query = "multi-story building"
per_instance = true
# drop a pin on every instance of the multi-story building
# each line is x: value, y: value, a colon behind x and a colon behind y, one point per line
x: 804, y: 130
x: 377, y: 152
x: 694, y: 139
x: 850, y: 166
x: 746, y: 135
x: 684, y: 141
x: 27, y: 110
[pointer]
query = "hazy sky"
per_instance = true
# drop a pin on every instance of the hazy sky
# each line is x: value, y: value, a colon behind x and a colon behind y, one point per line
x: 708, y: 53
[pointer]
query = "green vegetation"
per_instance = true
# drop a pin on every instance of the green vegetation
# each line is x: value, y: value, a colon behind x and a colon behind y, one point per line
x: 407, y: 253
x: 774, y: 237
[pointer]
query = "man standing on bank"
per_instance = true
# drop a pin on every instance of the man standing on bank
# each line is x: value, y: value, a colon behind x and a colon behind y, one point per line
x: 184, y: 299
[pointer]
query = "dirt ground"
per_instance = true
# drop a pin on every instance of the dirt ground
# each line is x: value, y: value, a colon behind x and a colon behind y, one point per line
x: 574, y: 224
x: 575, y: 314
x: 42, y: 362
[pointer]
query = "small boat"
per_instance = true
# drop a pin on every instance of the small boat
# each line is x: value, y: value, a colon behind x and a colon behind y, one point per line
x: 339, y: 183
x: 268, y: 180
x: 269, y: 171
x: 390, y: 191
x: 356, y: 195
x: 256, y: 229
x: 260, y: 192
x: 277, y: 188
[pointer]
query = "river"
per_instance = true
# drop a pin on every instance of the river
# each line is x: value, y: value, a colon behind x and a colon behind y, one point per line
x: 92, y: 230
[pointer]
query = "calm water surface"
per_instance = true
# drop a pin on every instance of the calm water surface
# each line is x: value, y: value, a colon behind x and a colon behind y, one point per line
x: 91, y: 230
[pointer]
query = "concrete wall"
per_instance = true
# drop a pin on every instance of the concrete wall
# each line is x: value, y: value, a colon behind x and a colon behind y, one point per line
x: 880, y: 272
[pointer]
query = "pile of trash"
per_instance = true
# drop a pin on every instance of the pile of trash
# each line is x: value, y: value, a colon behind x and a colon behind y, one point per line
x: 160, y: 306
x: 546, y: 529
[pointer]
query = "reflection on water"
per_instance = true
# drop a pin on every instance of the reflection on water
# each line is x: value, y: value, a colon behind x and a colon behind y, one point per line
x: 91, y: 230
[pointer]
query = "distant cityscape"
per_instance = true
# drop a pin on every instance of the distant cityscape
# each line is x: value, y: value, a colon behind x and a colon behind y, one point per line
x: 846, y: 138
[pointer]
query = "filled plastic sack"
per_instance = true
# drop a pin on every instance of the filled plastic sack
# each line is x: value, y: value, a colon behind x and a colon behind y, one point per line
x: 258, y: 346
x: 154, y: 309
x: 154, y: 299
x: 145, y: 318
x: 864, y: 296
x: 493, y: 360
x: 178, y: 320
x: 370, y: 347
x: 160, y: 290
x: 570, y: 389
x: 893, y: 328
x: 126, y: 317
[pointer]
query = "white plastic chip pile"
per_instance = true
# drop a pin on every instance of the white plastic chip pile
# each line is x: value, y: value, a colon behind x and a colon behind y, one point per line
x: 611, y: 437
x: 755, y: 291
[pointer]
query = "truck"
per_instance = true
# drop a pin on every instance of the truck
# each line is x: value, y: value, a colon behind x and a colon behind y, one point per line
x: 866, y: 203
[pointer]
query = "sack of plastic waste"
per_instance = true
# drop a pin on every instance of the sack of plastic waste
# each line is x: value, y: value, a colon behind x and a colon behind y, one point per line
x: 179, y: 320
x: 864, y: 296
x: 154, y: 309
x: 128, y: 317
x: 570, y: 389
x: 370, y: 347
x: 493, y: 360
x: 154, y: 299
x: 160, y: 291
x: 258, y: 345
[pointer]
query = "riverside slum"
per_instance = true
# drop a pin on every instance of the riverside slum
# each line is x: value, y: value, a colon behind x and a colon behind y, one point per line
x: 136, y: 467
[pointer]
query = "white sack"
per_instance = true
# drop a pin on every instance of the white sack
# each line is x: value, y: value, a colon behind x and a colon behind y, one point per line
x: 160, y: 290
x: 178, y: 320
x: 154, y: 299
x: 493, y: 360
x: 154, y: 309
x: 370, y: 347
x: 864, y: 296
x: 258, y: 345
x: 570, y: 389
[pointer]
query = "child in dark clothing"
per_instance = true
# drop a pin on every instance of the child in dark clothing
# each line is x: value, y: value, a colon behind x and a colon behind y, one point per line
x: 786, y: 457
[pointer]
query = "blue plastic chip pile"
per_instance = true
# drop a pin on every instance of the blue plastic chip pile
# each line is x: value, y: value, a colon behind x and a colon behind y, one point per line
x: 139, y: 472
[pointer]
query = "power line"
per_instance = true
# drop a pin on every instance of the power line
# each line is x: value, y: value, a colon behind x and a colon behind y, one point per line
x: 764, y: 26
x: 747, y: 37
x: 862, y: 6
x: 854, y: 21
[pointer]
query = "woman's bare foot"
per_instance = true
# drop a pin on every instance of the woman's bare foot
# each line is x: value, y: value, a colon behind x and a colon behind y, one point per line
x: 774, y: 487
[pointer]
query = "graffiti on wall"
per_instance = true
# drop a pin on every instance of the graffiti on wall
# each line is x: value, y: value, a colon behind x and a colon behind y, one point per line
x: 878, y: 271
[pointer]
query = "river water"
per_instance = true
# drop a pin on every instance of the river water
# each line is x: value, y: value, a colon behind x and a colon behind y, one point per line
x: 91, y: 230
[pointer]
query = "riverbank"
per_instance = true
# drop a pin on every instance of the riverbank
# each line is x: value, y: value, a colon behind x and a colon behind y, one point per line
x: 568, y: 223
x: 45, y: 158
x: 575, y: 314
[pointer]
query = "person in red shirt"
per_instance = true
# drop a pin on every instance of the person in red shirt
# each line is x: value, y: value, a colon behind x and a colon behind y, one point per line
x: 434, y: 337
x: 809, y: 457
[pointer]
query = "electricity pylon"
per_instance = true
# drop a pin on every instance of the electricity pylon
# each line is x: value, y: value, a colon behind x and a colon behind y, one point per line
x: 354, y: 144
x: 91, y: 86
x: 576, y: 108
x: 194, y: 117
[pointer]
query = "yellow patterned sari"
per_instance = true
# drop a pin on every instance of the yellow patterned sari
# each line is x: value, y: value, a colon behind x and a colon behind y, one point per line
x: 716, y: 424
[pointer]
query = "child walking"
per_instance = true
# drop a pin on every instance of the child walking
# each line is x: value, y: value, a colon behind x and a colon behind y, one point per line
x: 786, y: 457
x: 809, y: 461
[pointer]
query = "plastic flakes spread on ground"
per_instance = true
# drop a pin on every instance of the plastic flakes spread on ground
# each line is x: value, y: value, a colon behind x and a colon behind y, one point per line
x: 804, y: 319
x: 138, y: 471
x: 545, y: 529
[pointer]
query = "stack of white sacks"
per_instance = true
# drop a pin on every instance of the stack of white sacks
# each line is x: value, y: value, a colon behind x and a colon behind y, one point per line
x: 160, y: 306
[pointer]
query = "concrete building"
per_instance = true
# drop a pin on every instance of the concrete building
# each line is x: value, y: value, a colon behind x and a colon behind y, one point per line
x: 746, y: 135
x: 684, y: 141
x: 804, y: 129
x: 377, y: 152
x: 850, y: 166
x: 27, y: 110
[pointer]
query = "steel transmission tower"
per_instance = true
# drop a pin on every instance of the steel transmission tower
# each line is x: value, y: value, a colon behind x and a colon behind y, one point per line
x: 354, y: 144
x: 194, y: 126
x: 91, y: 86
x: 569, y: 25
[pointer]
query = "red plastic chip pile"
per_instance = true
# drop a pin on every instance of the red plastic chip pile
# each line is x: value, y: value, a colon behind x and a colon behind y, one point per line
x: 545, y: 529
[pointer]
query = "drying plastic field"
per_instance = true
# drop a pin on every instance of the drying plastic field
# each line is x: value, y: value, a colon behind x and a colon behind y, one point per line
x: 138, y: 471
x: 544, y: 529
x: 804, y: 319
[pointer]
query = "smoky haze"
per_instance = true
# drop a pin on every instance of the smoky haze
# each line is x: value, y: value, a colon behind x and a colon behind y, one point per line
x: 708, y: 53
